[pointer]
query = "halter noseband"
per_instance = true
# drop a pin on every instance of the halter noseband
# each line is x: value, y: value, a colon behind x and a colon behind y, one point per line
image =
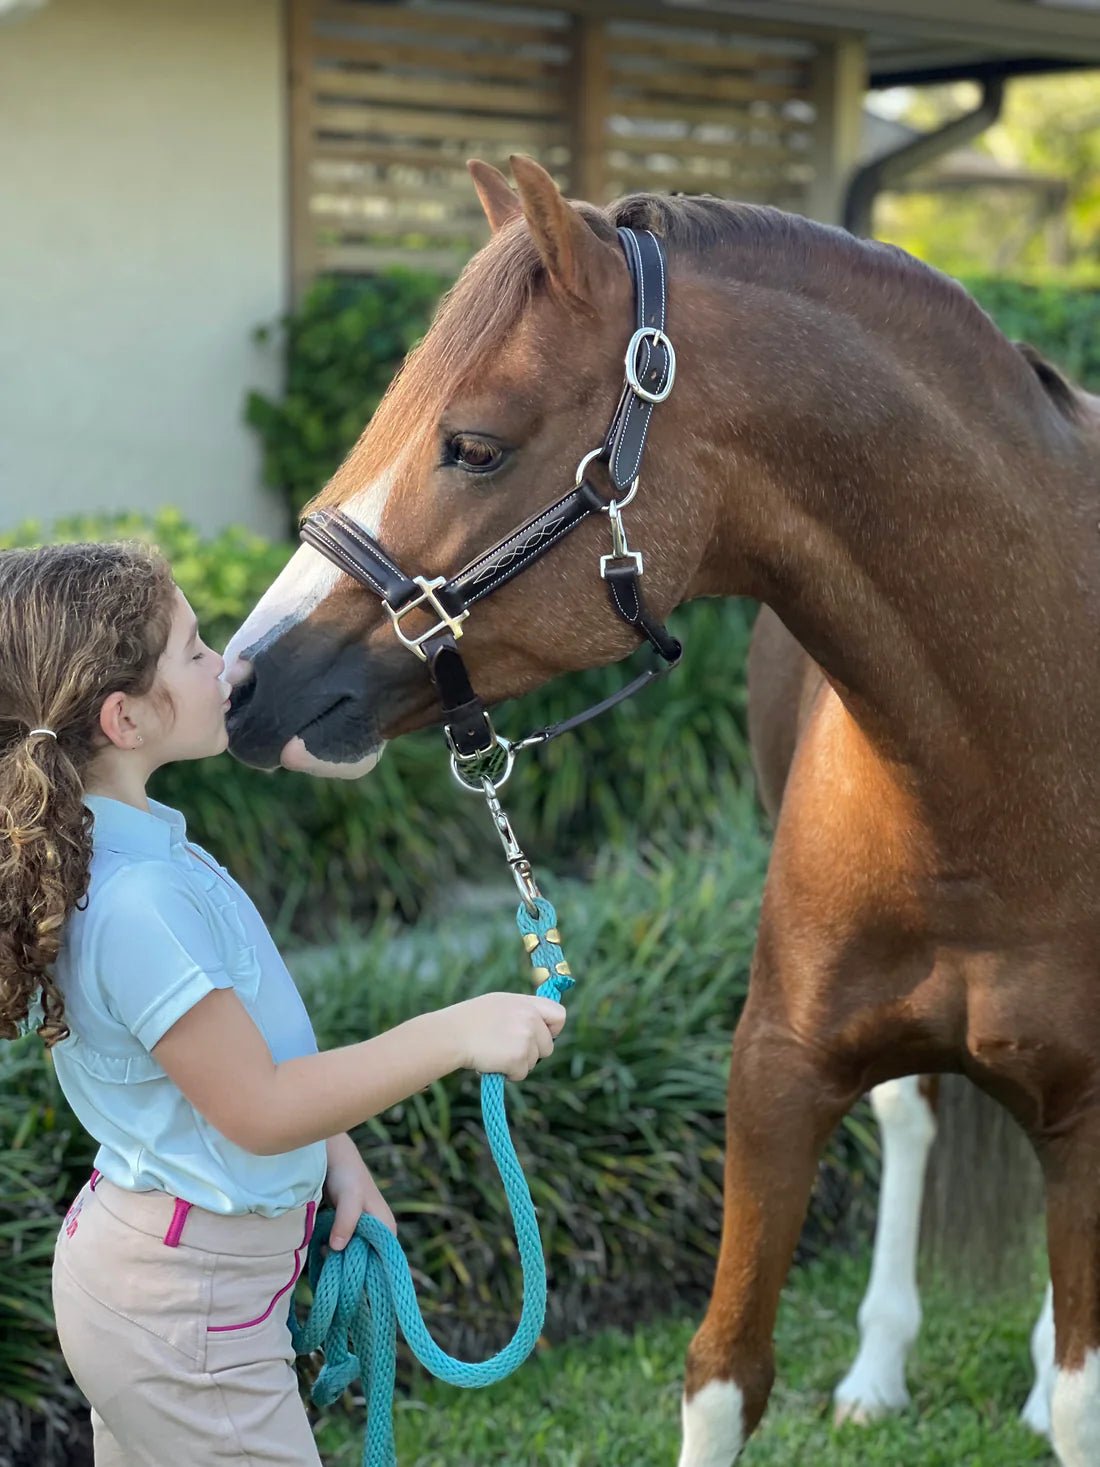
x: 650, y: 372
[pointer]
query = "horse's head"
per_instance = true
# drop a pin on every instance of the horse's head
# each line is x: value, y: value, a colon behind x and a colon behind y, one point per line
x: 516, y: 380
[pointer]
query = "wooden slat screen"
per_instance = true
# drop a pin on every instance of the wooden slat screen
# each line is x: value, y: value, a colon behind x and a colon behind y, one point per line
x: 723, y: 113
x: 389, y: 100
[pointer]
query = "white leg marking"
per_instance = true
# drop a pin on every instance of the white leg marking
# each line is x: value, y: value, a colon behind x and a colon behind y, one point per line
x: 713, y: 1424
x: 1036, y: 1413
x: 890, y: 1315
x: 305, y: 581
x: 1075, y: 1414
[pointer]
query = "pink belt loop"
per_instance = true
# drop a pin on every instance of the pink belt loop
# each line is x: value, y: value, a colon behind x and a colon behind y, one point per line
x: 96, y: 1174
x: 311, y: 1218
x: 175, y: 1227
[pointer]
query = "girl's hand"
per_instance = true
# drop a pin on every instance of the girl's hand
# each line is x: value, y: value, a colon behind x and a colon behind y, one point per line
x: 505, y: 1033
x: 350, y: 1188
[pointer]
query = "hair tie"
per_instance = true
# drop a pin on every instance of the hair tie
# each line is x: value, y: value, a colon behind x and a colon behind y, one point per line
x: 45, y: 731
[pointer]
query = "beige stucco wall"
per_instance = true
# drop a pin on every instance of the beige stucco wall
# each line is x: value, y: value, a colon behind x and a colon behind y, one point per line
x: 142, y: 237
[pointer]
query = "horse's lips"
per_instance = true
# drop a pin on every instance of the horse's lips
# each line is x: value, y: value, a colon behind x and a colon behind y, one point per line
x: 294, y: 756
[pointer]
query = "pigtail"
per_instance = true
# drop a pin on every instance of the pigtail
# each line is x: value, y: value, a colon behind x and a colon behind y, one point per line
x: 45, y: 856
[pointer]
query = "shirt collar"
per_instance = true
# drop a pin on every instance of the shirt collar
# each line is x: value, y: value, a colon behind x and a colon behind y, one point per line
x: 124, y: 828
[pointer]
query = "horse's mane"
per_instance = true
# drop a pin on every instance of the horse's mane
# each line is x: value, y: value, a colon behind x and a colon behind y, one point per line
x: 780, y: 249
x: 791, y: 244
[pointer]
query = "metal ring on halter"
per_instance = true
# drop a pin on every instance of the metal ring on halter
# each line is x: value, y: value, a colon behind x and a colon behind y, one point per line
x: 658, y: 338
x: 611, y: 503
x: 582, y: 467
x: 475, y: 779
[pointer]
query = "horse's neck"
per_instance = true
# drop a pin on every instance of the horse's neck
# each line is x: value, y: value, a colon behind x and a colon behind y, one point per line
x: 935, y: 552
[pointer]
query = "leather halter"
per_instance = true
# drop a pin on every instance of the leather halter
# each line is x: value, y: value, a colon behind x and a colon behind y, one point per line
x: 650, y: 366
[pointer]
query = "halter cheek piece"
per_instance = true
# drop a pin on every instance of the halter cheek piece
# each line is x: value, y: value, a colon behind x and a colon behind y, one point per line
x: 650, y: 373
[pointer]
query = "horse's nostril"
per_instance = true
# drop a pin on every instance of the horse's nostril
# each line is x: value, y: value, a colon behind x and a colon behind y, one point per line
x: 241, y: 695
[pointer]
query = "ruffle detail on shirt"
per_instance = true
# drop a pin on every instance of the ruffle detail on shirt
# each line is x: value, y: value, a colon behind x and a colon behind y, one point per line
x: 120, y: 1069
x: 241, y: 960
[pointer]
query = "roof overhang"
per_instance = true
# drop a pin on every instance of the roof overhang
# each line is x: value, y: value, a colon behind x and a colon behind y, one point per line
x: 912, y: 42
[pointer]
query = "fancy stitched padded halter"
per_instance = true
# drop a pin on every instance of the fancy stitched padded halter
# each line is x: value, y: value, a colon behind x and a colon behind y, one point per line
x: 650, y: 365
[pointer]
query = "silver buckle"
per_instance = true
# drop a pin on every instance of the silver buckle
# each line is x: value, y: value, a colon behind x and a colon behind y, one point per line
x: 427, y: 597
x: 658, y: 338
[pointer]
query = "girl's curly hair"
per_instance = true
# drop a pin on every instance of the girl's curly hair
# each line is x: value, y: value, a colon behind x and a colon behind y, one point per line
x: 77, y: 622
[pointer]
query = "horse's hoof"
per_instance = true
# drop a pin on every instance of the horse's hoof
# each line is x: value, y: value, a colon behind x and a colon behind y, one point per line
x: 864, y: 1402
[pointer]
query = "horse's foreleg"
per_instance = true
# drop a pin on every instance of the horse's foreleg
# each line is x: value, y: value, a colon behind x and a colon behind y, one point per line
x: 1036, y: 1412
x: 782, y: 1107
x: 1071, y: 1165
x: 890, y: 1315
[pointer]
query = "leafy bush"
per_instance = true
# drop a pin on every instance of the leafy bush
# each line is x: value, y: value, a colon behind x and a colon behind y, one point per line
x: 341, y: 348
x: 308, y: 851
x: 349, y: 336
x: 311, y: 852
x: 1063, y: 324
x: 44, y: 1158
x: 620, y: 1133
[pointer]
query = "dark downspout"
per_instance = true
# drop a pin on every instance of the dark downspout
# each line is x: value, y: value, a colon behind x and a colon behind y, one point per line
x: 881, y: 173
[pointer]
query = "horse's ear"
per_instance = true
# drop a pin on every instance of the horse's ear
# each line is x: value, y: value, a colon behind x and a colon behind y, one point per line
x: 495, y: 192
x: 576, y: 259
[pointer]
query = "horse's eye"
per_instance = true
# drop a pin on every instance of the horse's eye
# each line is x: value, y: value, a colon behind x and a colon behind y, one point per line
x: 475, y: 455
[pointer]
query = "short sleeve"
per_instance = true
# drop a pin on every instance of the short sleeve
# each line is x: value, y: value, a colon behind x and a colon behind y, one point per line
x: 154, y: 950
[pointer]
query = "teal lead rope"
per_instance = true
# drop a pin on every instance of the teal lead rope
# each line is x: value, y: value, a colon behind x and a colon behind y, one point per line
x: 361, y: 1292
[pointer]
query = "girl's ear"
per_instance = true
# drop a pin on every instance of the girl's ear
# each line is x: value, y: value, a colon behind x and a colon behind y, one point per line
x: 116, y: 723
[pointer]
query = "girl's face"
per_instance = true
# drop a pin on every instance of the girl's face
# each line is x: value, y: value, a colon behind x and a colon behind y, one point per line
x: 190, y: 674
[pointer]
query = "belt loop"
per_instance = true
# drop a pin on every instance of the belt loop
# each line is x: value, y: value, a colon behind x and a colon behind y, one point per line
x: 175, y: 1227
x: 94, y: 1178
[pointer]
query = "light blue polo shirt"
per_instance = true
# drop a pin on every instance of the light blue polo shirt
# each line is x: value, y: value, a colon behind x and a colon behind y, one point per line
x: 165, y: 924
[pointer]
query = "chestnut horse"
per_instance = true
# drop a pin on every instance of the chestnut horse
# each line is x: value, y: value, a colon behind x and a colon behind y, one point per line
x: 854, y: 444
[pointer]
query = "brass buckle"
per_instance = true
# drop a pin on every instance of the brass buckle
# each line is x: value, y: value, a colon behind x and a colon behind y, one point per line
x: 446, y: 622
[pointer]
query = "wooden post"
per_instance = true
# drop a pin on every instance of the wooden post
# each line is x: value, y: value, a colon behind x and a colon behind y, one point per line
x: 303, y: 261
x: 839, y: 82
x: 588, y: 106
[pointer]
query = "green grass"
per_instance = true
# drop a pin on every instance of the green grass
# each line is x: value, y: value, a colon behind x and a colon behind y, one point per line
x: 613, y: 1401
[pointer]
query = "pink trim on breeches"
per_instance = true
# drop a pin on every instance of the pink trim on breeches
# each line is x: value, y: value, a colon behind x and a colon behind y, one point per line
x: 214, y: 1329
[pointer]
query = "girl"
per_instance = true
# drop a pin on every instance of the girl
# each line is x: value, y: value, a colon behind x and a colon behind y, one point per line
x: 177, y: 1033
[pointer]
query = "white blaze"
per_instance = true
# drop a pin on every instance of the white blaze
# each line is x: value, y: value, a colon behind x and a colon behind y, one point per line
x: 305, y: 581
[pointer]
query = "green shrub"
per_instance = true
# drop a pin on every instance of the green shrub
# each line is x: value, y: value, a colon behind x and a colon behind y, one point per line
x: 308, y: 851
x: 311, y: 852
x: 349, y: 336
x: 620, y: 1133
x: 340, y: 349
x: 1063, y: 324
x: 44, y: 1159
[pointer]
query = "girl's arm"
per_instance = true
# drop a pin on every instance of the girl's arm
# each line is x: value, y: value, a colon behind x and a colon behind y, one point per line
x: 222, y: 1064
